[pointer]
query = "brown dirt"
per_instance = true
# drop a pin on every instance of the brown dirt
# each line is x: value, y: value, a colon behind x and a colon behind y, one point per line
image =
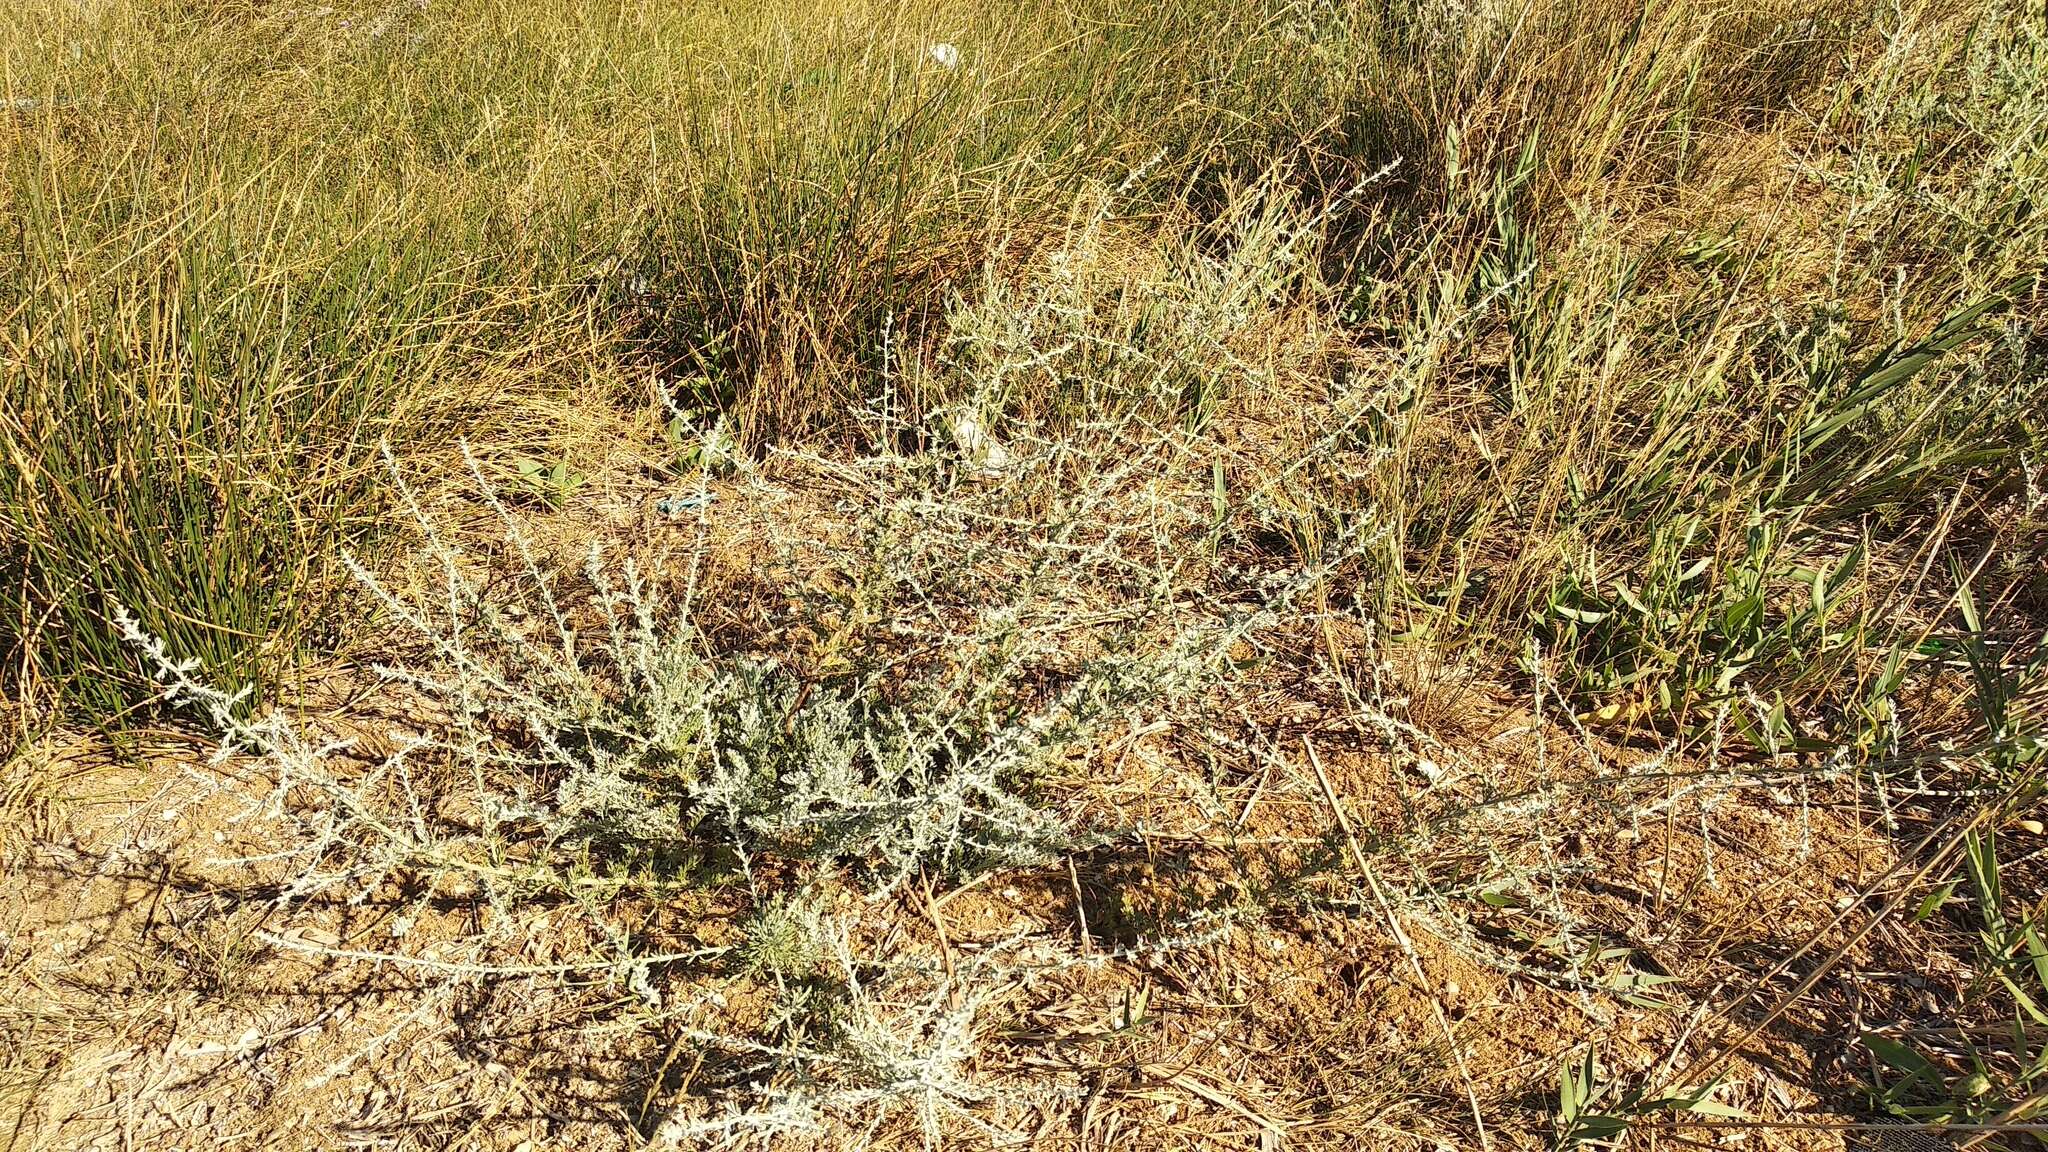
x: 1215, y: 974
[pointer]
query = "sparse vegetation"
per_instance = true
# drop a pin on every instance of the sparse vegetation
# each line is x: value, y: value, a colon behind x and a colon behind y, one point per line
x: 923, y: 573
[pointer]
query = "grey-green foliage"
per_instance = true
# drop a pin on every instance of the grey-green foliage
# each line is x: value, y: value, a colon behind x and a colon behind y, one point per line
x: 786, y: 938
x: 850, y: 1040
x: 849, y: 775
x: 734, y: 753
x: 584, y: 735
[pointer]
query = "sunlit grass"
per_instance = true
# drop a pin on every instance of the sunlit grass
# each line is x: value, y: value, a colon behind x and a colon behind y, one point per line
x: 245, y: 245
x: 1012, y: 424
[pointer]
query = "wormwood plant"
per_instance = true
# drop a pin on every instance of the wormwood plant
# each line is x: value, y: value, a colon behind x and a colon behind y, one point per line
x: 583, y: 732
x: 580, y: 739
x: 849, y: 1037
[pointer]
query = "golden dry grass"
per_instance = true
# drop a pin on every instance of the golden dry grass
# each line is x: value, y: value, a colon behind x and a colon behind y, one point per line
x: 1609, y: 438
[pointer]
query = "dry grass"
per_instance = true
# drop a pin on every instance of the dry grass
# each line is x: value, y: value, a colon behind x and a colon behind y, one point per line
x: 1317, y: 576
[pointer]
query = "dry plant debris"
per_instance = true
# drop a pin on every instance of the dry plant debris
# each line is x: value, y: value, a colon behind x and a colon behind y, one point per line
x: 917, y: 575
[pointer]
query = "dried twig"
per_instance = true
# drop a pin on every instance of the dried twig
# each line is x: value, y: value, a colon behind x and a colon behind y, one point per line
x: 1436, y: 1005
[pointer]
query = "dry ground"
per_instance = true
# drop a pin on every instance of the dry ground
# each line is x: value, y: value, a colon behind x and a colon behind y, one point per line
x: 1372, y: 910
x: 1610, y: 318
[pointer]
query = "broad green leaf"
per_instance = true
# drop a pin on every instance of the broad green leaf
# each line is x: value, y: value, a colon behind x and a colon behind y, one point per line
x: 1900, y: 1057
x: 1934, y: 901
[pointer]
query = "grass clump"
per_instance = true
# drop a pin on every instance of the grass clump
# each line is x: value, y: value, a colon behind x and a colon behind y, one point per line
x: 208, y: 330
x: 192, y: 423
x: 243, y: 246
x: 1697, y: 456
